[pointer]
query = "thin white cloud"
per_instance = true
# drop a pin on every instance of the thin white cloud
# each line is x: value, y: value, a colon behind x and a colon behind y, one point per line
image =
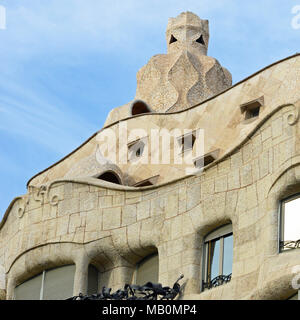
x: 29, y: 115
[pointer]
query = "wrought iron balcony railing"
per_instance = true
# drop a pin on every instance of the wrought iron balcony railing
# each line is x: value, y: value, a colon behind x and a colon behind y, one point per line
x: 289, y: 244
x: 217, y: 281
x: 149, y: 291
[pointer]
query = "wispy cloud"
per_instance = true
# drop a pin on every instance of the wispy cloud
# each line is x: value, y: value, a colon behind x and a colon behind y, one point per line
x: 29, y: 115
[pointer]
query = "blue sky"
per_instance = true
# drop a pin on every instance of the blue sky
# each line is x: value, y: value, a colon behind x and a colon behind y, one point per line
x: 64, y: 64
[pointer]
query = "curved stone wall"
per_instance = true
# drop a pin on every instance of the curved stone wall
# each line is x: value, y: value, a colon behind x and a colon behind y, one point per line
x: 220, y: 118
x: 86, y: 221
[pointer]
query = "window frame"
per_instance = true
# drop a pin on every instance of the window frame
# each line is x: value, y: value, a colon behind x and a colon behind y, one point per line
x: 218, y: 234
x: 281, y: 210
x: 134, y: 146
x: 190, y: 136
x: 151, y: 255
x: 43, y: 275
x: 249, y: 107
x: 206, y: 159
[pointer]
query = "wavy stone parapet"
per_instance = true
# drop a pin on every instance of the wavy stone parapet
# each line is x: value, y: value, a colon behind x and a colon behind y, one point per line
x: 220, y: 117
x: 113, y: 227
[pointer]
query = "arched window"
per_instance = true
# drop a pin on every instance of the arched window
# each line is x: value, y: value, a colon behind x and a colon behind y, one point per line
x: 110, y: 177
x: 290, y: 223
x: 139, y: 107
x: 147, y: 270
x: 52, y: 284
x: 218, y: 257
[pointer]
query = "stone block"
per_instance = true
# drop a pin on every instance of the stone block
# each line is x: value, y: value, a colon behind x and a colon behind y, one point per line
x: 94, y: 220
x: 105, y: 201
x: 89, y: 201
x: 129, y: 214
x: 68, y: 206
x: 111, y: 218
x: 246, y: 175
x: 193, y: 196
x: 221, y: 184
x: 143, y: 210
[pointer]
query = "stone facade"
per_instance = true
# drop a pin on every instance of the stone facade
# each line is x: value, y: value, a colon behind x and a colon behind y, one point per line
x: 70, y: 216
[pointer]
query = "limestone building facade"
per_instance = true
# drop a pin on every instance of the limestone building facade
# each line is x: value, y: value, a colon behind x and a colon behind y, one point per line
x: 195, y: 176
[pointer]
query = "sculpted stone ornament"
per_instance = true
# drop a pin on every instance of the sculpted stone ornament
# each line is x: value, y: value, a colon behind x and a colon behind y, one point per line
x: 185, y: 75
x: 293, y: 116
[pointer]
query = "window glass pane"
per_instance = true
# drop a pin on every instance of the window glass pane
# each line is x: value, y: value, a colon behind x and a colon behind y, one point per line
x: 30, y: 289
x: 213, y: 259
x: 147, y: 270
x: 292, y: 220
x: 92, y: 280
x: 188, y: 142
x: 228, y: 255
x: 59, y: 283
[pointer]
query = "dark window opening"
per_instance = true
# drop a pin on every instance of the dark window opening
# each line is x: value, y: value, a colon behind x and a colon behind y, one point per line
x: 143, y: 184
x: 187, y: 141
x: 252, y: 113
x: 110, y: 177
x: 139, y: 151
x: 136, y: 150
x: 206, y: 159
x: 252, y: 108
x: 147, y: 182
x: 139, y: 107
x: 201, y: 40
x: 172, y: 39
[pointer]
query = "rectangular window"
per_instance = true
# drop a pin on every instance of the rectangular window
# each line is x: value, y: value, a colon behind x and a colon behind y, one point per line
x: 290, y: 223
x: 58, y: 283
x: 218, y: 248
x: 187, y: 141
x: 52, y: 284
x: 136, y: 149
x: 147, y: 270
x: 251, y: 109
x: 147, y: 182
x: 30, y: 289
x: 203, y: 161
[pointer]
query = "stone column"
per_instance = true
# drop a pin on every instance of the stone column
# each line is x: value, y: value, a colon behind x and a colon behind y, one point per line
x: 11, y: 283
x: 81, y: 275
x: 2, y: 294
x: 118, y: 276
